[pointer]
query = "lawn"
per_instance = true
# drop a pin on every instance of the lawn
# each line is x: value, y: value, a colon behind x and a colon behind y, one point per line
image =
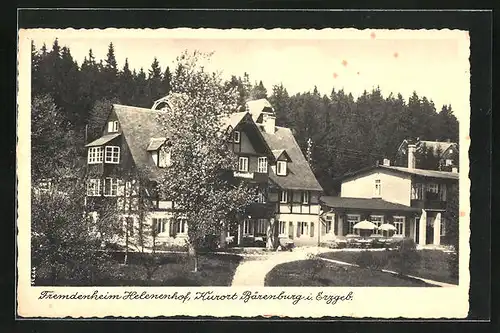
x: 300, y: 273
x: 433, y: 265
x: 174, y: 269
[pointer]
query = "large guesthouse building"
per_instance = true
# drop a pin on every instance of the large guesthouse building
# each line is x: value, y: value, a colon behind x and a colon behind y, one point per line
x: 124, y: 164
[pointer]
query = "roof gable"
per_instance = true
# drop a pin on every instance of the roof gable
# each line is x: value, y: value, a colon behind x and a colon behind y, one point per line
x: 300, y: 175
x: 403, y: 171
x: 281, y: 154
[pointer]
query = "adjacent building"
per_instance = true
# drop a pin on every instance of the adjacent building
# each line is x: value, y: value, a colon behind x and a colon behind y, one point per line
x: 446, y: 152
x: 124, y: 164
x: 411, y: 199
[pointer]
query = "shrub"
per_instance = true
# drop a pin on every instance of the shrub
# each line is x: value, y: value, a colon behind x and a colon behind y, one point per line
x: 366, y: 259
x: 314, y: 265
x: 405, y: 257
x: 453, y: 265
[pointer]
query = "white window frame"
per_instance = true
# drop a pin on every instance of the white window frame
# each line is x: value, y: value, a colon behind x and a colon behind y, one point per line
x: 399, y: 223
x: 113, y: 126
x: 282, y: 228
x: 236, y: 136
x: 94, y: 187
x: 284, y: 196
x: 281, y: 171
x: 262, y: 165
x: 306, y: 197
x: 448, y: 162
x: 243, y: 164
x: 433, y: 188
x: 378, y: 188
x: 94, y: 155
x: 181, y: 226
x: 377, y: 223
x: 261, y: 227
x: 113, y: 152
x: 352, y: 219
x: 159, y: 225
x: 248, y: 228
x: 261, y: 196
x: 113, y: 187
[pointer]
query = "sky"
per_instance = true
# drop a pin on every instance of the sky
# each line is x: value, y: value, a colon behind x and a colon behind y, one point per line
x: 432, y: 63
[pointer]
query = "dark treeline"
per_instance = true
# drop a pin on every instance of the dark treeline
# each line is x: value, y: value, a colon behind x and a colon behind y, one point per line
x: 338, y: 133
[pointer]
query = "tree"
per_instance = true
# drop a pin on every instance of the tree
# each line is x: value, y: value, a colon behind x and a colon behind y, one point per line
x: 154, y: 82
x: 126, y: 84
x: 258, y: 91
x: 198, y: 176
x: 53, y: 145
x: 166, y: 82
x: 110, y: 74
x: 65, y: 241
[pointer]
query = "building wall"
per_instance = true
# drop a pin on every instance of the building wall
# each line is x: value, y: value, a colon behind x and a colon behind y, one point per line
x: 394, y: 187
x: 292, y: 222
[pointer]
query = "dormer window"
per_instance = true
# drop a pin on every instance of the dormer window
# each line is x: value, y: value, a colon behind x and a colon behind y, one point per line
x: 236, y: 136
x: 113, y: 126
x: 112, y: 154
x: 281, y: 168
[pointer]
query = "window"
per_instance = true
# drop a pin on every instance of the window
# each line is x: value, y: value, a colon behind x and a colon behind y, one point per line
x: 94, y: 155
x: 432, y: 188
x: 113, y: 126
x: 442, y: 192
x: 112, y: 155
x: 243, y: 164
x: 283, y: 196
x: 94, y: 187
x: 312, y: 229
x: 302, y: 228
x: 247, y: 227
x: 110, y: 187
x: 262, y: 164
x: 164, y: 158
x: 305, y: 197
x: 160, y: 225
x: 261, y: 196
x: 281, y: 168
x: 261, y: 226
x: 236, y: 136
x: 378, y: 188
x: 449, y: 162
x: 399, y: 223
x: 281, y: 227
x: 378, y: 220
x: 328, y: 223
x: 181, y: 226
x: 351, y: 221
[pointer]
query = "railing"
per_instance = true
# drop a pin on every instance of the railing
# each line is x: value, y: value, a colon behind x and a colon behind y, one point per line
x: 428, y: 204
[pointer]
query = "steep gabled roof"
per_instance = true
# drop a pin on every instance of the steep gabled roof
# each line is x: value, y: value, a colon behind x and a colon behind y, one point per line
x: 233, y: 119
x: 300, y: 175
x: 443, y: 146
x: 138, y: 126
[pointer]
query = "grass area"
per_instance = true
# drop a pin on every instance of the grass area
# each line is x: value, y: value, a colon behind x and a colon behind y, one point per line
x: 174, y: 269
x: 433, y: 264
x: 303, y: 273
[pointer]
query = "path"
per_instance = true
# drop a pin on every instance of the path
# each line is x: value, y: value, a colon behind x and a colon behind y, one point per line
x: 253, y: 270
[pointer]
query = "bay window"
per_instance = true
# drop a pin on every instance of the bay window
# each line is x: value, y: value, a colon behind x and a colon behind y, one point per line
x: 94, y: 155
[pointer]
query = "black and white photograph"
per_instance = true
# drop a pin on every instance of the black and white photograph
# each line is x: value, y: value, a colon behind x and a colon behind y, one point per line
x: 175, y: 162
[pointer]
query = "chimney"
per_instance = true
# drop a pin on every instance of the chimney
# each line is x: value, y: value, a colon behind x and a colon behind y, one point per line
x: 387, y: 162
x: 269, y: 122
x: 448, y: 140
x: 411, y: 156
x: 454, y: 170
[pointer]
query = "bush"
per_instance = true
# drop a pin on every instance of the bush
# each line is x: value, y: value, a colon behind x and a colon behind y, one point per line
x: 453, y: 265
x: 405, y: 257
x: 366, y: 259
x: 314, y: 265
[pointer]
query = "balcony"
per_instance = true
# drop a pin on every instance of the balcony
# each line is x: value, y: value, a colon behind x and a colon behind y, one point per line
x: 428, y: 204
